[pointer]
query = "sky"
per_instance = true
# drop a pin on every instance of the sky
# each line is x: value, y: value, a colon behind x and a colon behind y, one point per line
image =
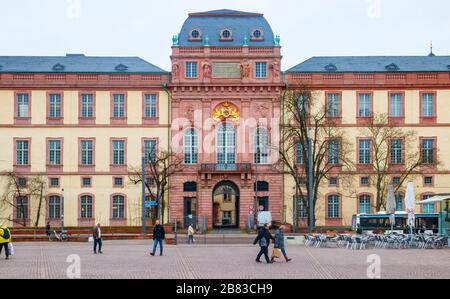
x: 145, y: 28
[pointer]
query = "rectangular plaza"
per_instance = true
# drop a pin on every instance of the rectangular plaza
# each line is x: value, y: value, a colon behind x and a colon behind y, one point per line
x: 131, y: 259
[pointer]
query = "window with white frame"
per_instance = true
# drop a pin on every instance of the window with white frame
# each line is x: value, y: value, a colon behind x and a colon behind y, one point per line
x: 118, y: 208
x: 333, y: 151
x: 118, y: 105
x: 87, y: 105
x: 430, y: 207
x: 23, y: 105
x: 54, y: 152
x: 399, y: 202
x: 87, y: 152
x: 261, y: 144
x: 428, y: 151
x: 22, y: 152
x: 54, y: 105
x: 428, y: 105
x: 150, y: 106
x: 54, y: 207
x: 150, y: 150
x: 191, y: 146
x: 334, y: 105
x: 191, y: 69
x: 22, y: 206
x: 299, y: 159
x: 333, y: 206
x: 226, y: 145
x: 364, y: 204
x: 261, y: 69
x: 365, y: 105
x: 396, y: 105
x: 301, y: 207
x: 86, y: 204
x: 364, y: 151
x: 118, y: 152
x: 396, y: 151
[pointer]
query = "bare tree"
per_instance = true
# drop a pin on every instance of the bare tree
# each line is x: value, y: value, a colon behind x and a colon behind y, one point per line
x: 19, y: 187
x: 403, y: 161
x: 330, y: 146
x: 159, y: 167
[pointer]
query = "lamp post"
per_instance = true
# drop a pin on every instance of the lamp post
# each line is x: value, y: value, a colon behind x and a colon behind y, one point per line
x: 62, y: 210
x: 143, y: 214
x: 310, y: 181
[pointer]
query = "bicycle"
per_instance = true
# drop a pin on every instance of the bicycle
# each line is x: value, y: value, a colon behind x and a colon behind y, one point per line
x: 62, y: 237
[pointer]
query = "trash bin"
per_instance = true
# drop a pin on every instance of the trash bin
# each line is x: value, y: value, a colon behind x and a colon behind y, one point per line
x: 448, y: 241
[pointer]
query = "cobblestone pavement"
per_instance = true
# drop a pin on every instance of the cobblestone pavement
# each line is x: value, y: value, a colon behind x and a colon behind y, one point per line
x: 131, y: 259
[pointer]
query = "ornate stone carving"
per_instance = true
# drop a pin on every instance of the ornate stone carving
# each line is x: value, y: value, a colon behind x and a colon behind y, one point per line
x: 245, y: 70
x: 189, y: 112
x: 263, y: 110
x: 226, y: 111
x: 276, y: 70
x: 207, y: 70
x: 175, y: 70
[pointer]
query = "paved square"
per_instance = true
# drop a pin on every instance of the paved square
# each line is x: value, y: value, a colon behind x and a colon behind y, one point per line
x: 131, y: 259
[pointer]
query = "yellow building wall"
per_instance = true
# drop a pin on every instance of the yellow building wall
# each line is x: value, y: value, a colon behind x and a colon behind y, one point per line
x: 70, y: 179
x: 412, y: 119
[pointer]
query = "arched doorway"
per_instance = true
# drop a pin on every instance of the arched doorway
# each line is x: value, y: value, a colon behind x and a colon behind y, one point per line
x: 226, y: 205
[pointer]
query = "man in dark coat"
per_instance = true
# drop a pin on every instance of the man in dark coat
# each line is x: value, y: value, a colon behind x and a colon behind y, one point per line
x: 97, y: 234
x: 158, y: 237
x: 263, y: 239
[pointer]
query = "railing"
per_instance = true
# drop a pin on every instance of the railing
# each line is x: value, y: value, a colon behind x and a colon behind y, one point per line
x: 226, y: 167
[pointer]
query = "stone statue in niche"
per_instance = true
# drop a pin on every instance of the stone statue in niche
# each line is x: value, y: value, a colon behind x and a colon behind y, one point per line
x: 245, y: 70
x: 276, y: 69
x: 207, y: 70
x: 175, y: 70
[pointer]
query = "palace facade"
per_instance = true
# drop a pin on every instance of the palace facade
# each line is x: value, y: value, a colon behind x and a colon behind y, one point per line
x: 82, y: 123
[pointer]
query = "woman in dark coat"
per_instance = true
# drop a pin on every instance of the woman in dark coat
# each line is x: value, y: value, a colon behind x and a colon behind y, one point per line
x: 279, y: 244
x: 263, y: 239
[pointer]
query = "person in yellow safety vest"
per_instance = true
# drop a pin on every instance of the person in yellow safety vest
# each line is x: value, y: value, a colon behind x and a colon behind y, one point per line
x: 5, y: 239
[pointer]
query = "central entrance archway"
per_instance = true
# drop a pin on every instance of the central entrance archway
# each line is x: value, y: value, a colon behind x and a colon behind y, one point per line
x: 226, y: 205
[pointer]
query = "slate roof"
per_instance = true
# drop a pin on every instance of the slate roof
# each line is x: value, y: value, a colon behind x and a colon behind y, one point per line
x: 369, y: 64
x: 76, y: 63
x: 241, y: 23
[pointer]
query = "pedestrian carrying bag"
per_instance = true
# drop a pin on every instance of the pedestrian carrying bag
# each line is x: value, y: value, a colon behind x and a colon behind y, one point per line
x: 11, y: 248
x: 276, y: 252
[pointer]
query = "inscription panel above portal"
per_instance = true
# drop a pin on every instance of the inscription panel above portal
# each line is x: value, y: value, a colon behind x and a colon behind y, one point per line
x: 226, y: 70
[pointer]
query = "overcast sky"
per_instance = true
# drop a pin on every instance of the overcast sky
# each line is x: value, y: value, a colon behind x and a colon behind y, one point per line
x: 145, y: 27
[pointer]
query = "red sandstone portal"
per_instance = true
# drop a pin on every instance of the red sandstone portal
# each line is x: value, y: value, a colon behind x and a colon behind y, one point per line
x: 223, y: 91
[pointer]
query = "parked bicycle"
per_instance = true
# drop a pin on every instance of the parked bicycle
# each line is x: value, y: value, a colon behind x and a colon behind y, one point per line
x: 61, y: 237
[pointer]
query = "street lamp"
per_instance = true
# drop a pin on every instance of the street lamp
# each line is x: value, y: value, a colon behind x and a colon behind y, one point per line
x: 310, y: 180
x: 143, y: 214
x: 62, y: 210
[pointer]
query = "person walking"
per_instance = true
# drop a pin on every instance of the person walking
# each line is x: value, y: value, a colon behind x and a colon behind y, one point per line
x: 191, y: 233
x: 263, y: 239
x: 279, y: 244
x: 5, y: 239
x: 158, y: 238
x: 97, y: 234
x: 48, y: 229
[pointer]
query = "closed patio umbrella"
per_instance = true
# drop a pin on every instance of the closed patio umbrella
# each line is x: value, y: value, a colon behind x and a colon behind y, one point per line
x: 410, y: 202
x: 390, y: 205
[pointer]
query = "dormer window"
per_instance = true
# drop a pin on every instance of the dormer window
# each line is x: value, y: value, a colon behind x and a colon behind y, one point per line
x: 226, y: 35
x: 195, y: 35
x: 392, y: 67
x: 448, y: 66
x: 58, y: 67
x: 121, y: 68
x: 257, y: 34
x: 330, y: 68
